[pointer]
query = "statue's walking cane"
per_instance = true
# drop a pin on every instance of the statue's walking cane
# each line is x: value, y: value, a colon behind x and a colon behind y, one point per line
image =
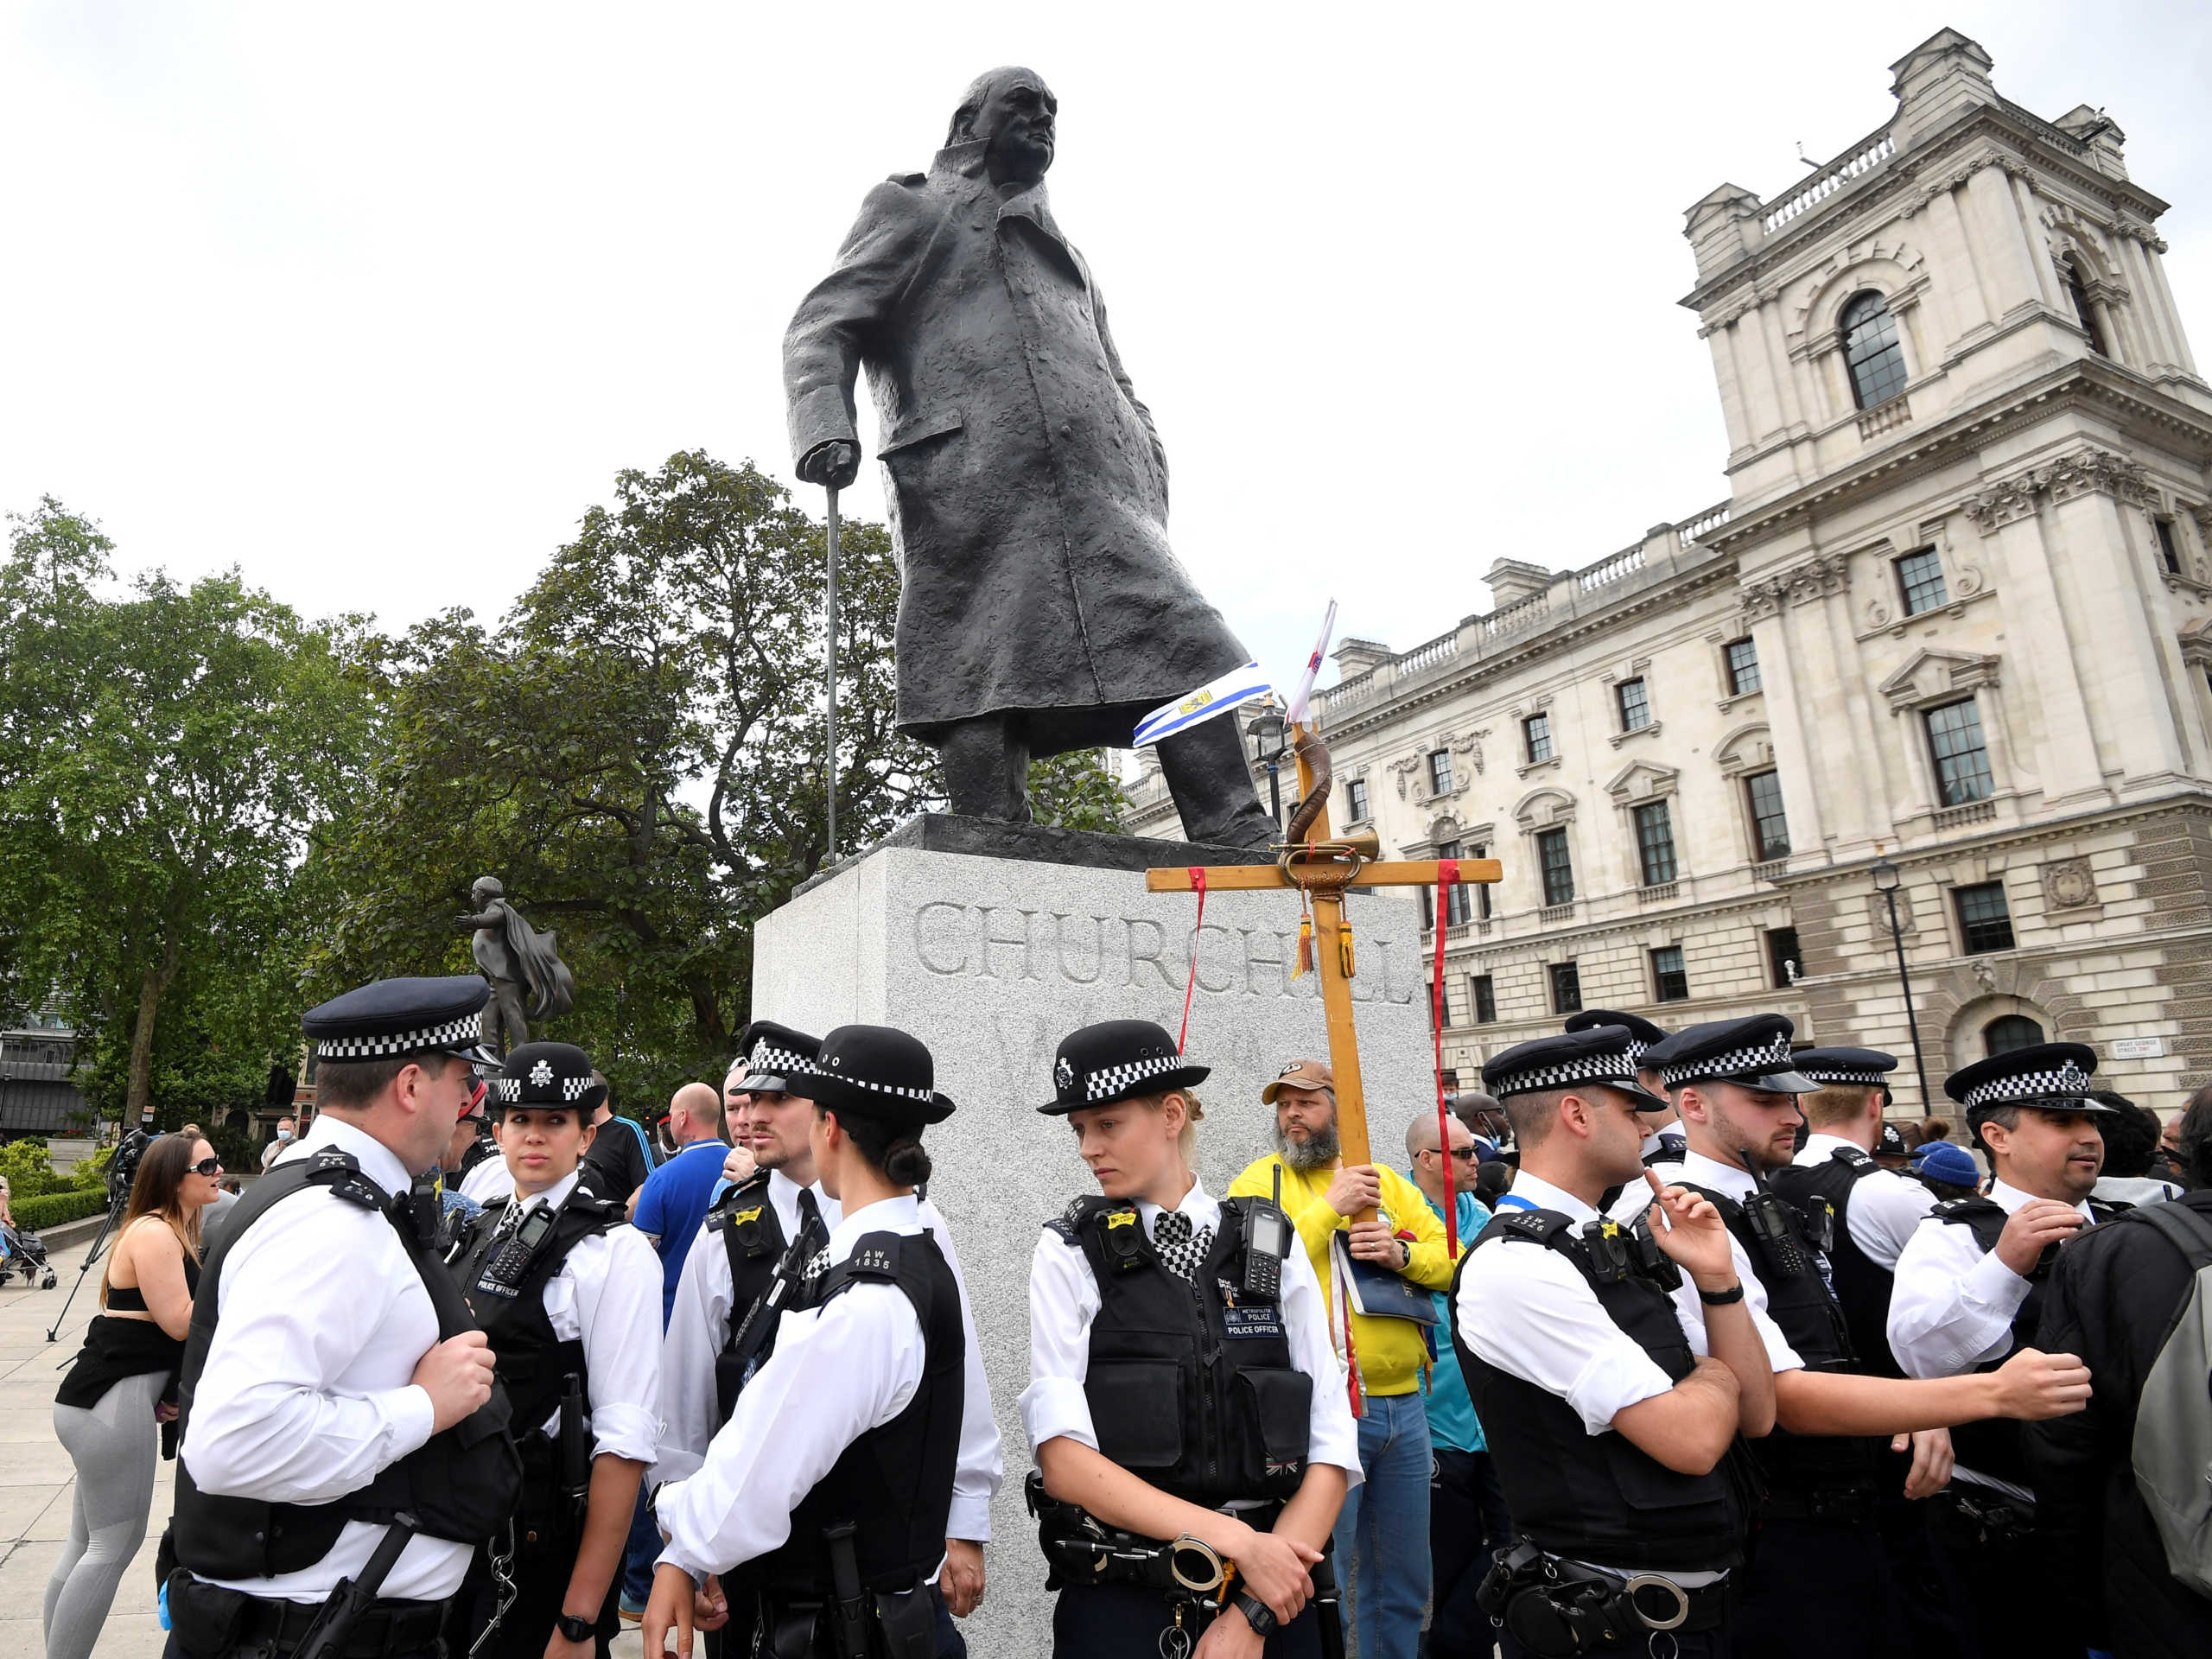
x: 829, y: 744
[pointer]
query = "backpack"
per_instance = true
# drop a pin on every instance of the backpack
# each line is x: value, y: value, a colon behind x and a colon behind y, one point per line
x: 2173, y: 1450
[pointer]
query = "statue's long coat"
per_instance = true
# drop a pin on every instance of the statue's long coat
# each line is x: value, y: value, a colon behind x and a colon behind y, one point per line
x: 1028, y: 491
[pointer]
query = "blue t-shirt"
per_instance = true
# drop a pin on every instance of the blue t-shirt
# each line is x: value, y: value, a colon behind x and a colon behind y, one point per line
x: 1452, y: 1420
x: 672, y: 1204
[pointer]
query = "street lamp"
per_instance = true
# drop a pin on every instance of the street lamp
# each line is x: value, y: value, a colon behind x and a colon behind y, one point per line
x: 1887, y: 877
x: 1268, y: 727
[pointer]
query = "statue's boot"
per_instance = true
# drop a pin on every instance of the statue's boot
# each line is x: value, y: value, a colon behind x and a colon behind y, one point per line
x: 1207, y: 773
x: 986, y: 763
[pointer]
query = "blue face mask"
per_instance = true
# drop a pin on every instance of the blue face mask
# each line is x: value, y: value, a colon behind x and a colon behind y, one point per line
x: 283, y: 1135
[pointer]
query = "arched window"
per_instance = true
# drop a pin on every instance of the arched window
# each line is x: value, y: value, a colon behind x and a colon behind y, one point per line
x: 2069, y: 272
x: 2009, y: 1032
x: 1870, y: 350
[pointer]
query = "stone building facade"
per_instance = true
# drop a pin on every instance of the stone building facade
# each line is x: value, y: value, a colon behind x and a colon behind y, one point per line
x: 1955, y: 615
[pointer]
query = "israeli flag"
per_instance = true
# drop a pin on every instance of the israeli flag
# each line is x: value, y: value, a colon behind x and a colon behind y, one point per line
x: 1231, y: 691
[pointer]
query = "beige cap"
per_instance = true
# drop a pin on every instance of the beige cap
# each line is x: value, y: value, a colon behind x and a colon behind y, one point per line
x: 1301, y: 1074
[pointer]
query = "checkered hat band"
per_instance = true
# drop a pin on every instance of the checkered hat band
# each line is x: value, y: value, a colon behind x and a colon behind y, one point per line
x: 454, y: 1033
x: 770, y: 1061
x: 1584, y: 1068
x: 1114, y: 1081
x: 877, y: 1088
x: 572, y: 1088
x: 1772, y: 1056
x: 1842, y: 1074
x: 2067, y: 1080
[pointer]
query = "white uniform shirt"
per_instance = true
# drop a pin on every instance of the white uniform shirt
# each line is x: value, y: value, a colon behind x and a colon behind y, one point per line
x: 838, y: 1370
x: 1064, y: 1300
x: 490, y: 1179
x: 698, y: 1326
x: 1886, y: 1208
x: 1952, y: 1307
x: 1698, y: 1170
x: 606, y: 1293
x: 305, y: 1397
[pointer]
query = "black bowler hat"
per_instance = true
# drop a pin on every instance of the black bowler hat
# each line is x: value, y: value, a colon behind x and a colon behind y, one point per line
x: 2052, y: 1077
x: 1751, y: 1052
x: 873, y: 1071
x: 1116, y: 1059
x: 774, y: 1055
x: 547, y: 1074
x: 1602, y: 1054
x: 392, y: 1019
x: 1643, y: 1033
x: 1845, y: 1067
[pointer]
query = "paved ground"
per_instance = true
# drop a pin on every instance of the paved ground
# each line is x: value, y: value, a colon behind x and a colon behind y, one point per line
x: 36, y: 1476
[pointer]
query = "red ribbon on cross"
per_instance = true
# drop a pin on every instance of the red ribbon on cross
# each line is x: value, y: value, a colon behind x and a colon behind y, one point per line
x: 1447, y: 876
x: 1198, y: 885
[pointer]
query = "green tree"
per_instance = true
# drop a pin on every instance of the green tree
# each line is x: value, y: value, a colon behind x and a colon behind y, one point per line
x: 165, y: 753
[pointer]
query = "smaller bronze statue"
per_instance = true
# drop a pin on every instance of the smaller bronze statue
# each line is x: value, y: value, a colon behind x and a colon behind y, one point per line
x: 529, y: 980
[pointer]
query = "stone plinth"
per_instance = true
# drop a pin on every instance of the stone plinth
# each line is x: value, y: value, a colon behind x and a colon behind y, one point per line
x: 991, y: 961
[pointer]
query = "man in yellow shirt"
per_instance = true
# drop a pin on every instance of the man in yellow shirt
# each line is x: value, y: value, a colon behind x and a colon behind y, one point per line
x: 1381, y: 1533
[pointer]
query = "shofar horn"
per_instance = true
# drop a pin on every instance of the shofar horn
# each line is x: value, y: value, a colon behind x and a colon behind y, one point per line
x: 1308, y: 747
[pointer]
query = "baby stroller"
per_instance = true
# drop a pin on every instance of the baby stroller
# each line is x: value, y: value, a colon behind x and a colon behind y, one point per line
x: 22, y: 1251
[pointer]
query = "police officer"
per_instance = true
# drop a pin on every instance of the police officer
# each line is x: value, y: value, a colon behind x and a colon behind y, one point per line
x: 1875, y: 1211
x: 1663, y: 1139
x: 1186, y: 1405
x: 1613, y: 1417
x: 569, y: 1293
x: 1736, y: 1084
x: 333, y: 1382
x: 757, y: 1237
x: 1969, y: 1294
x: 831, y: 1485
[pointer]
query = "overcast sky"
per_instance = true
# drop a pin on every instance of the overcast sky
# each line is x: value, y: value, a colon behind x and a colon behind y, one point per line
x: 373, y: 301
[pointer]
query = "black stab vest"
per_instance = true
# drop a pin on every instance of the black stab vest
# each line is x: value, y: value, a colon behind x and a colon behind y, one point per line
x: 1993, y: 1446
x: 752, y: 1233
x: 1863, y: 1286
x: 1192, y: 1386
x: 895, y: 1481
x: 462, y: 1483
x: 1799, y: 1303
x: 531, y: 1362
x: 1600, y: 1497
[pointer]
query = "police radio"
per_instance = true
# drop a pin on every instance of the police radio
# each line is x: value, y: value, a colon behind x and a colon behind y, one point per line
x: 1770, y: 1219
x: 504, y: 1270
x: 1266, y: 1240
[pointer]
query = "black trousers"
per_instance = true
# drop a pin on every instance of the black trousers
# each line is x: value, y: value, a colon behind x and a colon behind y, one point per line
x: 1817, y: 1590
x: 1929, y: 1586
x: 1125, y: 1621
x: 2003, y: 1578
x: 1467, y: 1525
x: 541, y: 1583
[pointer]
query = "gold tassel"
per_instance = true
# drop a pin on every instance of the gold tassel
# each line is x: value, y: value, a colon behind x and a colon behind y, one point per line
x: 1305, y: 963
x: 1343, y: 946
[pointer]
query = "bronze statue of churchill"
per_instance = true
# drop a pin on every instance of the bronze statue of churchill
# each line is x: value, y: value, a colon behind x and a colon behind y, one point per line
x: 1041, y: 607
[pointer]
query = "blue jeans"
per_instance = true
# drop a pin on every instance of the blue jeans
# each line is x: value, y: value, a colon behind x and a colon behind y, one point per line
x: 1382, y: 1536
x: 639, y: 1555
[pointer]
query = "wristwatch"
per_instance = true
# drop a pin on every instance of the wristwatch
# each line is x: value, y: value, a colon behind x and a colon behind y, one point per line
x: 1405, y: 1252
x: 1257, y: 1613
x: 576, y: 1629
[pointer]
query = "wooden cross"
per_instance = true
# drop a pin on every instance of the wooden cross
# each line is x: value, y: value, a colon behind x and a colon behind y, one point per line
x: 1333, y: 867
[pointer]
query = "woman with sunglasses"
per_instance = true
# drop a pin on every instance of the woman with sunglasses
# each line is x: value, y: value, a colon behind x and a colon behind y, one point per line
x: 117, y: 1389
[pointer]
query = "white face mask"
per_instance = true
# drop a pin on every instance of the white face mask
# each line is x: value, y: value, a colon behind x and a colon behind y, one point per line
x: 283, y: 1135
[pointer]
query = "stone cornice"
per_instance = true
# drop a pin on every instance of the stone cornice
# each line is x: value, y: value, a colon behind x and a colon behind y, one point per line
x: 1642, y: 921
x: 1930, y: 168
x: 2086, y: 469
x: 1666, y: 595
x: 2078, y: 384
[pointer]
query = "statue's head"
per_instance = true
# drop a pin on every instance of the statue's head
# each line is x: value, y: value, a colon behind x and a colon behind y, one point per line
x: 1013, y: 113
x: 486, y: 889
